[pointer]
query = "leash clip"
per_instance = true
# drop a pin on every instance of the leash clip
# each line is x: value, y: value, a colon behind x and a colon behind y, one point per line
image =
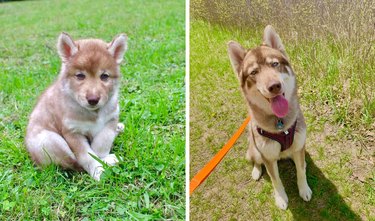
x: 280, y: 124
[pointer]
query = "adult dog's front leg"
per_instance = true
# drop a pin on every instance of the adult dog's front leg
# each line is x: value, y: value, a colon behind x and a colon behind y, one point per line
x: 304, y: 189
x: 280, y: 196
x: 84, y: 154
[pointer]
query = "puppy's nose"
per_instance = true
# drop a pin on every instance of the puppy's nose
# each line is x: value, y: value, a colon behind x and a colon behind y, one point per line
x: 275, y: 88
x: 93, y: 99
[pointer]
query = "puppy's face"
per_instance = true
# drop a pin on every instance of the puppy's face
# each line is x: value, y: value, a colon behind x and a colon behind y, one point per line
x: 90, y: 69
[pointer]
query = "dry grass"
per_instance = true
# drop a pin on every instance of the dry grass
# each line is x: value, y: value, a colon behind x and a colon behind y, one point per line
x: 352, y: 20
x: 343, y: 29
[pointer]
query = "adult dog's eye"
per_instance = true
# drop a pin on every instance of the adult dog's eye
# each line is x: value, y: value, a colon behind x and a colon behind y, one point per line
x: 254, y: 72
x: 80, y: 76
x: 275, y: 64
x: 104, y: 76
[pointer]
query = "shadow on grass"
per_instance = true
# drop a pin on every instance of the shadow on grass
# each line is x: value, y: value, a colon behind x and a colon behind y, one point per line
x: 326, y: 203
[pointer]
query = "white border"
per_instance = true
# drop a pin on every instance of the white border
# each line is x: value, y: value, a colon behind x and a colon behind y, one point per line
x: 187, y: 107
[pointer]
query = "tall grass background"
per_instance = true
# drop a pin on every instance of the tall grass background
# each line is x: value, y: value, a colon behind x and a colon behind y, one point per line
x: 332, y: 46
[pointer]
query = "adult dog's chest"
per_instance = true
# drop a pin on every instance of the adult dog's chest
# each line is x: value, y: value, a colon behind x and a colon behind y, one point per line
x: 271, y: 149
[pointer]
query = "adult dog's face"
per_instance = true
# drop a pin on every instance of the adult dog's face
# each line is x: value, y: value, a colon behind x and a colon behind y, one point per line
x: 266, y: 69
x: 265, y: 74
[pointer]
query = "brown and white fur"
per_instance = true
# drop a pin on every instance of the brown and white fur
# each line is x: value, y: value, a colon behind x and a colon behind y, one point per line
x: 259, y: 71
x: 76, y: 118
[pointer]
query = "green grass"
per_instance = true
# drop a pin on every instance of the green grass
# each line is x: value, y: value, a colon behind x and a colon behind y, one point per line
x: 148, y: 184
x: 338, y: 103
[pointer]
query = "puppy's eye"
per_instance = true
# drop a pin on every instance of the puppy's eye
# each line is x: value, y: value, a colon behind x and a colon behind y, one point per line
x: 104, y: 76
x: 254, y: 72
x: 80, y: 76
x: 275, y: 64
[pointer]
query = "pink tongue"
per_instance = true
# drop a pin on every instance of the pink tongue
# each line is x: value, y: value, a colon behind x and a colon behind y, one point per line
x: 279, y: 106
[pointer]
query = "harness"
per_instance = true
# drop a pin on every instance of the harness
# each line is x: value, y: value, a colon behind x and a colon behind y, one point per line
x: 285, y: 138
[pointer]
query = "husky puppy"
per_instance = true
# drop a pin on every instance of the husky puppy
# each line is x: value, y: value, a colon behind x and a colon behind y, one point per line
x: 277, y: 127
x: 76, y: 118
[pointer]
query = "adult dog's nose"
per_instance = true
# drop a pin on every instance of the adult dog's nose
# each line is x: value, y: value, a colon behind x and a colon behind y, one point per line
x: 275, y: 88
x: 93, y: 99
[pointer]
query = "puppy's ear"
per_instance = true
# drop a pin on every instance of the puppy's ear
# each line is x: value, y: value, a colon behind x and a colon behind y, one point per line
x: 66, y: 47
x: 236, y: 55
x: 272, y: 39
x: 118, y: 47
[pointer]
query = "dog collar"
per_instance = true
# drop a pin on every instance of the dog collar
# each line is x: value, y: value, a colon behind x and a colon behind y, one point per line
x: 285, y: 138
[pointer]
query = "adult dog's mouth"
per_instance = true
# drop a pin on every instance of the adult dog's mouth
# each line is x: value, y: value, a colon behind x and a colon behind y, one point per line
x: 279, y: 105
x: 270, y: 99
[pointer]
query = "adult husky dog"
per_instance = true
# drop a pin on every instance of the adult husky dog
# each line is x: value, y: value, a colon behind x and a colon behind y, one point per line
x: 76, y: 118
x: 277, y: 127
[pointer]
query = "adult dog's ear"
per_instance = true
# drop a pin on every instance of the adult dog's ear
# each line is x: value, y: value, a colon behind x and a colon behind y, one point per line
x: 66, y: 47
x: 273, y: 40
x: 118, y: 47
x: 236, y: 55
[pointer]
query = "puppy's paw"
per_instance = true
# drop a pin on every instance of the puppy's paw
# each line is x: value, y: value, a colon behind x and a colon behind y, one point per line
x: 97, y: 173
x: 281, y: 200
x: 120, y: 128
x: 257, y: 172
x: 110, y: 160
x: 305, y: 192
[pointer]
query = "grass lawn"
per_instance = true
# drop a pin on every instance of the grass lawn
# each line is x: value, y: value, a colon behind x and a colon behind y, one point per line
x: 336, y: 98
x: 149, y: 183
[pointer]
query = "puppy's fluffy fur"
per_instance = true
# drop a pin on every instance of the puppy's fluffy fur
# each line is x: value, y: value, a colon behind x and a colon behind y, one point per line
x: 76, y: 118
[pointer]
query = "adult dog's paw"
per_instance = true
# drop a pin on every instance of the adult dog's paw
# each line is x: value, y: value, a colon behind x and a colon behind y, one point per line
x: 257, y: 172
x: 305, y: 193
x: 281, y: 200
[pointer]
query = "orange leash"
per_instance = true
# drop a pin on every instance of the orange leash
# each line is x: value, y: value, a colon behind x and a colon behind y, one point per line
x: 210, y: 166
